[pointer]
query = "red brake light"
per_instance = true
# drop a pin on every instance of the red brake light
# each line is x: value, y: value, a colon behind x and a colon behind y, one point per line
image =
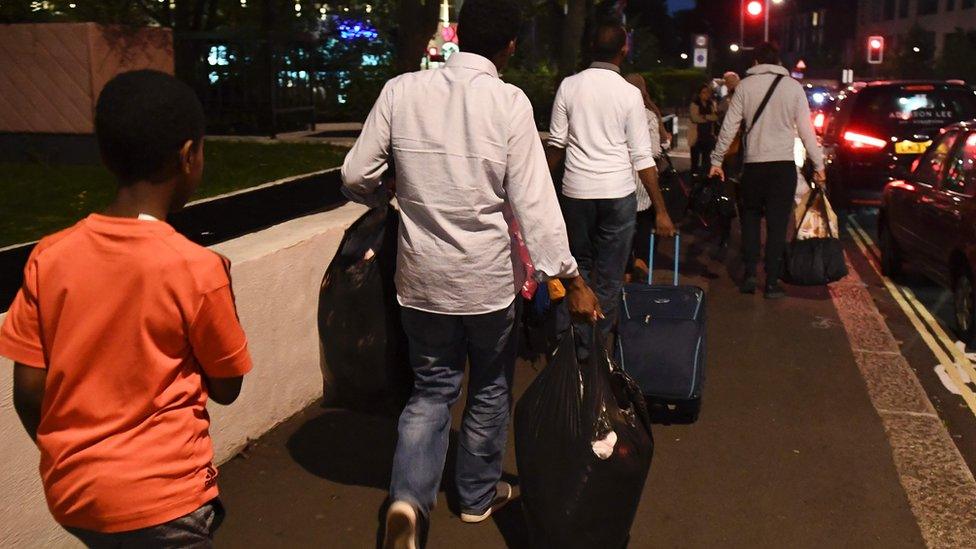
x: 818, y: 120
x: 919, y: 87
x: 861, y: 141
x: 971, y: 140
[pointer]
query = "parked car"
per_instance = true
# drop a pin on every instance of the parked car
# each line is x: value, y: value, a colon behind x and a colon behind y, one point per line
x: 879, y: 129
x: 929, y: 219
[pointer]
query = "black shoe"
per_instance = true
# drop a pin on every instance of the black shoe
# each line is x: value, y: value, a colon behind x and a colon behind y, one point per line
x: 749, y: 285
x: 774, y: 291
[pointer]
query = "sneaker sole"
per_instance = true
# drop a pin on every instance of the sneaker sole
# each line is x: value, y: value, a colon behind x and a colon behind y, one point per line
x: 474, y: 519
x: 400, y: 531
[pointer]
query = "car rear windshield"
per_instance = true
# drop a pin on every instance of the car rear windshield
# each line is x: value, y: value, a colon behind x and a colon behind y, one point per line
x: 913, y: 108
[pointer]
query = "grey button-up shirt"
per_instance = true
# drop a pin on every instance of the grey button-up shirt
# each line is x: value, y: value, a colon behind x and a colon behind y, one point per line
x: 467, y: 156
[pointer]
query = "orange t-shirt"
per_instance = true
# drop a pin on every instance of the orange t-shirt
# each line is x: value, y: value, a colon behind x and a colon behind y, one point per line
x: 126, y: 315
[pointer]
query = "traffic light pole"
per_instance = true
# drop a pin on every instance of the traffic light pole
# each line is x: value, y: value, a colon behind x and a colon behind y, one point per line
x: 742, y: 22
x: 766, y: 21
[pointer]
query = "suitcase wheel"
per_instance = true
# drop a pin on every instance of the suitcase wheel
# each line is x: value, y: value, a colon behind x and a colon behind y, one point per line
x: 674, y: 412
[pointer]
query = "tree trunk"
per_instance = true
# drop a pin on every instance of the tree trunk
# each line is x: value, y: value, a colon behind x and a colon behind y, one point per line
x: 572, y: 36
x: 417, y: 24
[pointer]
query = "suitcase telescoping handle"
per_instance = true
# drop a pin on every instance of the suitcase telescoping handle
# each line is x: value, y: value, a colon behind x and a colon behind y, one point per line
x: 650, y: 258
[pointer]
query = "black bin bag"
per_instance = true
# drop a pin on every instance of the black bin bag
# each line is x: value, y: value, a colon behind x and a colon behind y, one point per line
x: 364, y: 350
x: 583, y: 446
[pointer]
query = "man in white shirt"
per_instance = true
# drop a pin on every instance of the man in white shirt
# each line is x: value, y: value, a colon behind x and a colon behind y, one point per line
x: 466, y: 152
x: 599, y: 129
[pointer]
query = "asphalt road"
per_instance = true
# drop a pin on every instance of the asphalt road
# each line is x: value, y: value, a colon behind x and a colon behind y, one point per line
x: 797, y: 445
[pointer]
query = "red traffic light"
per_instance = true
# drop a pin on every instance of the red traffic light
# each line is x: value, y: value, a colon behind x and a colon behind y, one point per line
x: 876, y: 49
x: 754, y: 8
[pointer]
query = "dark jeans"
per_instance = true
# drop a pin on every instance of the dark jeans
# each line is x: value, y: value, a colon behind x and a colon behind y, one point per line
x: 701, y: 153
x: 767, y: 190
x: 440, y: 345
x: 642, y: 234
x: 601, y: 235
x: 192, y: 531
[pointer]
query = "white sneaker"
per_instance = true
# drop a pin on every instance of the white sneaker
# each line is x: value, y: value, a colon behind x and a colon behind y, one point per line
x: 401, y: 527
x: 503, y: 494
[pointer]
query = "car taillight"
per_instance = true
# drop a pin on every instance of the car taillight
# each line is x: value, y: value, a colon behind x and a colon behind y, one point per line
x: 861, y: 141
x: 818, y: 121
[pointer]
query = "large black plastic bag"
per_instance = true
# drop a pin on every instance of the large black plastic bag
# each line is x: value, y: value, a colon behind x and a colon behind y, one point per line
x: 573, y: 497
x: 365, y: 365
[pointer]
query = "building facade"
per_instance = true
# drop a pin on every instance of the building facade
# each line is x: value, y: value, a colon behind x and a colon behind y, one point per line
x: 820, y: 33
x: 909, y: 24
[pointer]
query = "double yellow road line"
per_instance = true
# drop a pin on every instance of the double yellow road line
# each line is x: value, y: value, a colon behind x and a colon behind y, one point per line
x: 935, y: 337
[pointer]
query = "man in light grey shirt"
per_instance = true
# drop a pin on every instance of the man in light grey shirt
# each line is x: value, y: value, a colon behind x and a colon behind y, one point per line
x: 599, y: 128
x: 467, y: 156
x: 769, y: 176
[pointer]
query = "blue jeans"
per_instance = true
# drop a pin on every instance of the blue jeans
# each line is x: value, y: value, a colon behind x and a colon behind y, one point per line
x: 194, y: 530
x: 601, y: 235
x: 439, y: 346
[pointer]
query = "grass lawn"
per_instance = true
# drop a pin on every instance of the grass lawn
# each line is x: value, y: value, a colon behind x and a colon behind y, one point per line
x: 38, y: 199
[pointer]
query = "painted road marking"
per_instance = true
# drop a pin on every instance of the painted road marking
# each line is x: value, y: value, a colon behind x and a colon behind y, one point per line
x: 939, y: 485
x: 961, y: 361
x: 952, y: 362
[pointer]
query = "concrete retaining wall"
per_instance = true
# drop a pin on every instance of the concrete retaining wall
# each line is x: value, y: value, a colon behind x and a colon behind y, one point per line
x: 276, y: 275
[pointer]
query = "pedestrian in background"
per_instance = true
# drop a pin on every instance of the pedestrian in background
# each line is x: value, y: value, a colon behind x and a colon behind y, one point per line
x: 769, y: 176
x: 459, y: 168
x: 645, y: 209
x: 121, y: 333
x: 731, y: 80
x: 599, y: 129
x: 701, y: 133
x: 733, y: 158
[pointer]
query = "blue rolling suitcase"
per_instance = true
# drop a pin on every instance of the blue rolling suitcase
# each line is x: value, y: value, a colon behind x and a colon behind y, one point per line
x: 661, y: 343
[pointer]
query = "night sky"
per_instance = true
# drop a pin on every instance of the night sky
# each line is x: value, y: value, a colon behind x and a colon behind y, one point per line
x: 676, y: 5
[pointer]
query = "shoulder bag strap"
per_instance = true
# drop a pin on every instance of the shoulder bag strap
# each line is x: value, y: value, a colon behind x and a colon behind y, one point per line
x: 755, y: 118
x: 765, y: 101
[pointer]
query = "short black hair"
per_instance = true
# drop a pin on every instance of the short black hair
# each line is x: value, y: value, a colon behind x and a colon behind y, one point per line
x: 142, y: 118
x: 487, y: 27
x: 608, y: 39
x: 767, y: 53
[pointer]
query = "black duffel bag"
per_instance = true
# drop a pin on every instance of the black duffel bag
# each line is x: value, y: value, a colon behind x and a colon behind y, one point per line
x: 673, y: 189
x: 711, y: 200
x: 583, y: 446
x: 816, y: 261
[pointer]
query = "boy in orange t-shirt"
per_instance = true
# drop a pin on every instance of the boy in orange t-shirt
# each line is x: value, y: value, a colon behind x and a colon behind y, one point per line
x: 122, y: 330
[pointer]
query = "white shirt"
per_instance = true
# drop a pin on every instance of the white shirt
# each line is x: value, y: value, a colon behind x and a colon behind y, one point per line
x: 644, y: 199
x: 465, y: 146
x: 599, y: 118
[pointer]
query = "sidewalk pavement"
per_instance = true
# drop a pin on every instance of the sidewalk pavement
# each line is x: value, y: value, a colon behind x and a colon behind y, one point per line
x: 789, y: 451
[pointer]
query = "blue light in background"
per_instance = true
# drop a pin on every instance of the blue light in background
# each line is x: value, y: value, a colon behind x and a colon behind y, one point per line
x: 350, y: 29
